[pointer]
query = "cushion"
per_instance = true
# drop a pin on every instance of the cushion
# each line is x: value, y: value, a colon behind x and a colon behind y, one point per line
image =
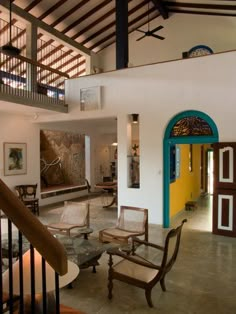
x: 136, y: 271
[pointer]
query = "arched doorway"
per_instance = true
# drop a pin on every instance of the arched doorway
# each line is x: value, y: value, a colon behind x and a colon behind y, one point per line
x: 187, y: 127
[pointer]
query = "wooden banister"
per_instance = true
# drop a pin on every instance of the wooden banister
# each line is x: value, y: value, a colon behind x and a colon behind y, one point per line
x: 35, y: 232
x: 43, y: 66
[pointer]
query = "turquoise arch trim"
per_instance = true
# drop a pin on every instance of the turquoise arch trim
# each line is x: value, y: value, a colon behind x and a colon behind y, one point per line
x: 168, y: 140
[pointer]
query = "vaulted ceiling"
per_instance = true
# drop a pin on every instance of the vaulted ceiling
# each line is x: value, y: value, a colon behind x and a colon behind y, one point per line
x: 92, y: 23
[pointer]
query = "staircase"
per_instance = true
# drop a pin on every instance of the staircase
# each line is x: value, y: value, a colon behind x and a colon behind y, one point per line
x: 13, y: 245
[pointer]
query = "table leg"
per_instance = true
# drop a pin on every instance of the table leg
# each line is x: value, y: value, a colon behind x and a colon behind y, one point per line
x: 114, y: 201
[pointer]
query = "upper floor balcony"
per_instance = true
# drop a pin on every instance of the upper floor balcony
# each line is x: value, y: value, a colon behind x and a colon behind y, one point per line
x: 24, y: 81
x: 35, y: 75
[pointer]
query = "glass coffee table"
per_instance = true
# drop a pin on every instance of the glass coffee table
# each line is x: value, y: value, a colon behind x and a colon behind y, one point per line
x: 85, y: 253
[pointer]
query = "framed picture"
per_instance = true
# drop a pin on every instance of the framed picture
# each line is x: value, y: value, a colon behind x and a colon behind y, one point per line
x: 15, y: 158
x: 90, y: 98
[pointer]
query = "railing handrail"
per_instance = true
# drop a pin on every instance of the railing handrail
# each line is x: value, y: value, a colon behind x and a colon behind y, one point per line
x: 41, y: 65
x: 35, y: 232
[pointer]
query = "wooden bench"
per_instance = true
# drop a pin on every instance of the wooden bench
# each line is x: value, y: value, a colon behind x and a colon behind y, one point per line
x: 190, y: 205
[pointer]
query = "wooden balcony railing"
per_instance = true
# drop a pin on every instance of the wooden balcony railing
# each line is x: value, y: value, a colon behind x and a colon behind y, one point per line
x: 27, y: 82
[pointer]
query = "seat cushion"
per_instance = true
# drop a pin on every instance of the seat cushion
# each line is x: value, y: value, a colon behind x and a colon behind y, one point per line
x: 61, y: 226
x: 118, y: 233
x: 136, y: 271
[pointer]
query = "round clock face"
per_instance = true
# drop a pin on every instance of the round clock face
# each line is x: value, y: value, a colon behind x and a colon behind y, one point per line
x: 200, y: 50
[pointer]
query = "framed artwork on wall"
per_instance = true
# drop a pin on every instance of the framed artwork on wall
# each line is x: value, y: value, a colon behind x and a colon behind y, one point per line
x: 15, y: 158
x: 90, y: 98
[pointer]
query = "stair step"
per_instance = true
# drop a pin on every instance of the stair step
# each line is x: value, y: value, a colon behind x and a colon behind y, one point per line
x: 67, y: 310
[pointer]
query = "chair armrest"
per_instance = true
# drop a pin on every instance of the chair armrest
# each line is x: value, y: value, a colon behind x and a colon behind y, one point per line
x: 156, y: 246
x: 131, y: 258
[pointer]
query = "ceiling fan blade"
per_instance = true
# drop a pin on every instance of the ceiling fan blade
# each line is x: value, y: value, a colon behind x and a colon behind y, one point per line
x: 158, y: 37
x: 141, y: 31
x: 140, y: 37
x: 156, y: 29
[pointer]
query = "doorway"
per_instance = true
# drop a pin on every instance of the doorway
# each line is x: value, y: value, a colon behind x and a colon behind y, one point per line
x: 188, y: 127
x: 210, y: 167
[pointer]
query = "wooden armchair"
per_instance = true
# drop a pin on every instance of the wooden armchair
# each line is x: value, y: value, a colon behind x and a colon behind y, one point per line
x: 139, y: 269
x: 27, y: 194
x: 133, y: 221
x: 74, y: 219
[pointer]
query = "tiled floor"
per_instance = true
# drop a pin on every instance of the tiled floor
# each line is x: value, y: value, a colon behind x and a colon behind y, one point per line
x: 203, y: 280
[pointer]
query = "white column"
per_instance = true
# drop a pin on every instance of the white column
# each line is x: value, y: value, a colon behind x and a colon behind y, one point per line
x: 31, y: 53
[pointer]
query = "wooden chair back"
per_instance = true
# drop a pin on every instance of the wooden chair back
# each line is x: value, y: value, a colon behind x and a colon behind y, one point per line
x: 132, y: 222
x: 133, y: 219
x: 171, y: 248
x: 75, y: 213
x: 26, y: 190
x: 142, y: 269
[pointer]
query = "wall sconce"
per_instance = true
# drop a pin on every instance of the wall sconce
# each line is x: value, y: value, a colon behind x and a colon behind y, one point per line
x: 114, y: 143
x: 135, y: 117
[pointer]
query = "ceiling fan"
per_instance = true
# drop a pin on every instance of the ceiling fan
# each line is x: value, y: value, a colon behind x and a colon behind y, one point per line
x: 9, y: 49
x: 150, y: 32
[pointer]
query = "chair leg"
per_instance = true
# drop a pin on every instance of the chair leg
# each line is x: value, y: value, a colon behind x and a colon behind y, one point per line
x: 110, y: 283
x: 37, y: 209
x: 148, y: 297
x: 162, y: 283
x: 100, y: 236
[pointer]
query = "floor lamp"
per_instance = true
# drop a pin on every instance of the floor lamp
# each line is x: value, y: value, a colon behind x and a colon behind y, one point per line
x: 73, y: 271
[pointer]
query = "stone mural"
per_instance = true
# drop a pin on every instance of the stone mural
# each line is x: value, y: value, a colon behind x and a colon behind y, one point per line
x: 62, y: 156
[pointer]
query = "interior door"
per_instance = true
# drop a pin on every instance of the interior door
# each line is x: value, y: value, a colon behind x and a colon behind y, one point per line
x: 224, y: 199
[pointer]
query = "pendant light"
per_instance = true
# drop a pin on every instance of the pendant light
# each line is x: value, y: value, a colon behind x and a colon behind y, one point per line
x: 9, y: 49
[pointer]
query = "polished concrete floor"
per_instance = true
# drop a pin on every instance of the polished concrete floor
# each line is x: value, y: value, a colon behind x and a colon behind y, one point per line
x: 202, y: 281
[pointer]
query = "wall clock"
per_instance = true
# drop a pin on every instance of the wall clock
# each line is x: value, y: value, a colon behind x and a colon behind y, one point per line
x: 199, y: 50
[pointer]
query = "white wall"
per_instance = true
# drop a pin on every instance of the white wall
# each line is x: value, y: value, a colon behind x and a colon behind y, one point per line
x: 157, y: 93
x: 181, y: 32
x: 18, y: 129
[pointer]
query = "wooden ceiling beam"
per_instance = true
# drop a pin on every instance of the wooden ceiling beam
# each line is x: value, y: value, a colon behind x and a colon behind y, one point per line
x: 96, y: 22
x: 75, y: 66
x: 56, y: 6
x: 112, y: 24
x: 52, y: 9
x: 6, y: 27
x: 87, y: 15
x: 61, y: 66
x: 47, y: 28
x: 162, y: 8
x: 201, y: 12
x: 138, y: 18
x: 79, y: 73
x: 223, y: 7
x: 68, y: 13
x: 32, y: 5
x: 49, y: 54
x: 27, y: 60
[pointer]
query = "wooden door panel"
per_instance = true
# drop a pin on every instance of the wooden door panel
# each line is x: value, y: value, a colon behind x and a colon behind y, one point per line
x: 224, y: 200
x: 225, y: 166
x: 224, y: 212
